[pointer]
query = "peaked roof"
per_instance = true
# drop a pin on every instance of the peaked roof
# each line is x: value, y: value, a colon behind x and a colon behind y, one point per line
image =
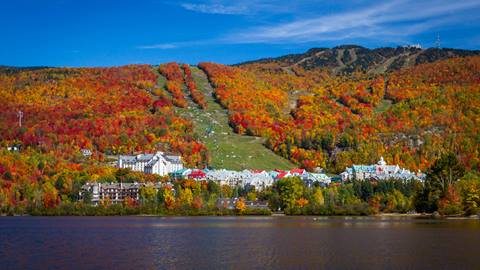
x: 282, y: 175
x: 181, y: 171
x: 197, y: 173
x: 299, y: 171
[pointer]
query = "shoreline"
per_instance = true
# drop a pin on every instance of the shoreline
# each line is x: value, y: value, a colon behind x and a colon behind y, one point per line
x: 276, y: 215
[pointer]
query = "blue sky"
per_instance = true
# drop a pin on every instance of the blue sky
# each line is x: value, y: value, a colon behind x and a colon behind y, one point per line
x: 118, y: 32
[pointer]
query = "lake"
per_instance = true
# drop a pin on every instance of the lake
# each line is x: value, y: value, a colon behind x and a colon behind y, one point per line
x: 238, y: 243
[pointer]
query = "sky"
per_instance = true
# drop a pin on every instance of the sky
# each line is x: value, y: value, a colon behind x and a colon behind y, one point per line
x: 79, y: 33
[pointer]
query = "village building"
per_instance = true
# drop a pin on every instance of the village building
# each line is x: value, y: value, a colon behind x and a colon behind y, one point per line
x: 224, y: 177
x: 14, y: 148
x: 320, y: 178
x: 307, y: 177
x: 158, y: 163
x: 197, y: 175
x: 298, y: 172
x: 283, y: 174
x: 257, y: 179
x: 113, y: 192
x: 181, y: 174
x: 86, y: 152
x: 174, y: 163
x: 274, y: 173
x: 379, y: 171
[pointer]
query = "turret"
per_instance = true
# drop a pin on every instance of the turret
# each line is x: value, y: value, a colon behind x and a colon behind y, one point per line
x: 381, y: 162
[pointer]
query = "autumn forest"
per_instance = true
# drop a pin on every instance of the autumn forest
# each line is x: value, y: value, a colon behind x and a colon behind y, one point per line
x: 311, y: 116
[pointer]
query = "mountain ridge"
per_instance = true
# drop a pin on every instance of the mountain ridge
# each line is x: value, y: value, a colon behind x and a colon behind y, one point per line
x: 350, y: 58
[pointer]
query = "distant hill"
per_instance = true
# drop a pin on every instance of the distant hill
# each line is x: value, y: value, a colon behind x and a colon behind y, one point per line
x: 11, y: 70
x: 349, y: 58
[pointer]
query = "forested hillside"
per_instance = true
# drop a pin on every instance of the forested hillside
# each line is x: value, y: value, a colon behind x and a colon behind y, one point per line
x: 261, y: 115
x: 315, y: 118
x: 107, y: 111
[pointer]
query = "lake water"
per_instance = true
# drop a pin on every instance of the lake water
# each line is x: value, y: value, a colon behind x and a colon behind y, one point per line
x: 237, y: 243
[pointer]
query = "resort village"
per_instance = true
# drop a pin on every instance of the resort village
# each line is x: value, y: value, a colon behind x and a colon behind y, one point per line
x: 171, y: 166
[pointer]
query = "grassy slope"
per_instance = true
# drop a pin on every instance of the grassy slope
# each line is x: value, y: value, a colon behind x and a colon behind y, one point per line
x: 384, y: 105
x: 227, y: 149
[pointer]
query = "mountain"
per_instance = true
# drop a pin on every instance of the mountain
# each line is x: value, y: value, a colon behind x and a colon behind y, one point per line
x: 318, y: 119
x: 269, y: 115
x: 349, y: 58
x: 263, y: 115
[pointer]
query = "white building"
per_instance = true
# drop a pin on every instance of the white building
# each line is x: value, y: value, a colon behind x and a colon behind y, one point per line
x: 379, y: 171
x: 320, y: 178
x: 14, y: 148
x: 262, y: 179
x: 259, y: 179
x: 174, y: 163
x: 86, y: 152
x: 158, y: 163
x: 224, y: 177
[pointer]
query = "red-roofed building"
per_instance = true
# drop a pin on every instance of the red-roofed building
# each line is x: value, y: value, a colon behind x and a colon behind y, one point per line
x: 297, y: 172
x: 197, y: 174
x: 283, y: 175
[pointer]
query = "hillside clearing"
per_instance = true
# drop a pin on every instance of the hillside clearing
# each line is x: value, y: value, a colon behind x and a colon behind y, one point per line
x: 227, y: 149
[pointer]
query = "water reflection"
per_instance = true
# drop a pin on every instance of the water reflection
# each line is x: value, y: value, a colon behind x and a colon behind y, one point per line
x: 237, y: 242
